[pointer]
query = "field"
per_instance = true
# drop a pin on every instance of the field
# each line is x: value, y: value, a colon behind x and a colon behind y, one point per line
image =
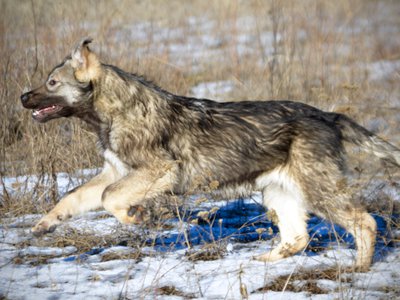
x: 340, y: 56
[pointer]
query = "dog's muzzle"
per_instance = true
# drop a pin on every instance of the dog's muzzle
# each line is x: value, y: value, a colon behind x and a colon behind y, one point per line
x: 25, y: 98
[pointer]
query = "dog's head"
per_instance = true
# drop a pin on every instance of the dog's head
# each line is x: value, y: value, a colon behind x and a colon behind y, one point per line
x: 68, y: 88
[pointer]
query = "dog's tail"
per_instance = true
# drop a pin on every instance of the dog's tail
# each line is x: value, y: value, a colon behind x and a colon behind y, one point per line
x: 356, y: 134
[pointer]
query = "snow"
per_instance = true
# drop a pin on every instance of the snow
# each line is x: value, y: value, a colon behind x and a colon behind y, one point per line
x: 381, y: 70
x: 204, y: 279
x: 213, y: 90
x: 21, y: 184
x: 67, y: 273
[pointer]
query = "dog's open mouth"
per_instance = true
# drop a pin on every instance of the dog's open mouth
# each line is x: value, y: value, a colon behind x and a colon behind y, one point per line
x: 41, y: 113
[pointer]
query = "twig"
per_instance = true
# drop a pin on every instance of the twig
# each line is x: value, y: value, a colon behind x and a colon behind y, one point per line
x: 35, y: 39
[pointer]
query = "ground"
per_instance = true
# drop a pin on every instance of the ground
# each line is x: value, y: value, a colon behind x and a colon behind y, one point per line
x: 95, y: 257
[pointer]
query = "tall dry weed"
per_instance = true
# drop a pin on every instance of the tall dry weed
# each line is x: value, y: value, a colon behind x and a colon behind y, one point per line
x: 313, y: 51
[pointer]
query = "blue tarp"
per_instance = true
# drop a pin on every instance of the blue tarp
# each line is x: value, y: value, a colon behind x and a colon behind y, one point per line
x: 242, y: 222
x: 239, y: 220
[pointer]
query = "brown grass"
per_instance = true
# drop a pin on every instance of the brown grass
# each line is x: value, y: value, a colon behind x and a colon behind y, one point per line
x: 307, y: 281
x: 173, y: 291
x: 208, y: 252
x: 316, y: 53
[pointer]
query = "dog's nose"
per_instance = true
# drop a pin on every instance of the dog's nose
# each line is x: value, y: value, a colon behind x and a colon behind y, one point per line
x: 25, y: 97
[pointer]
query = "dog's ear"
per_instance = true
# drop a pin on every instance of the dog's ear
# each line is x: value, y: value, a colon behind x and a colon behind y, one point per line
x: 85, y: 62
x: 80, y: 53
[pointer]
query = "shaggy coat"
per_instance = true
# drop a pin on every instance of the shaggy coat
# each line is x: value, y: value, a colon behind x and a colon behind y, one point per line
x: 154, y: 142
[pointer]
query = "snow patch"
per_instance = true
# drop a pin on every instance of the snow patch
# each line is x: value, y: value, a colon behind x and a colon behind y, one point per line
x: 212, y: 90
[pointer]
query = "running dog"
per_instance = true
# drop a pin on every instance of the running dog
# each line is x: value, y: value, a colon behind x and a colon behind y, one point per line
x: 154, y: 142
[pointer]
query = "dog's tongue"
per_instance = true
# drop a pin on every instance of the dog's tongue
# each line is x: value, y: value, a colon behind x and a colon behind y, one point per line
x: 46, y: 110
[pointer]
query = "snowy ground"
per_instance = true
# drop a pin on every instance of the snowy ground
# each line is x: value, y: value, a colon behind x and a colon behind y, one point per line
x: 218, y: 265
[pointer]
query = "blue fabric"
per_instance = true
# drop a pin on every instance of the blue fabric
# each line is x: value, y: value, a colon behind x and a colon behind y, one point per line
x: 238, y: 222
x: 84, y: 256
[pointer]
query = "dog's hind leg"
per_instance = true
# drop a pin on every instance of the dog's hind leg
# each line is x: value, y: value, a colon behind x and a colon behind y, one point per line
x: 285, y: 203
x: 363, y: 228
x: 331, y: 198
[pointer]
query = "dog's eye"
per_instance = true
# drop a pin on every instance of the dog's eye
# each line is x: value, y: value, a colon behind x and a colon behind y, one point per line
x: 52, y: 82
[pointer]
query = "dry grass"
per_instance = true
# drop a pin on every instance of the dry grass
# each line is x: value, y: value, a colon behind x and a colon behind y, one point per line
x: 307, y: 280
x: 314, y: 51
x: 173, y: 291
x: 212, y: 251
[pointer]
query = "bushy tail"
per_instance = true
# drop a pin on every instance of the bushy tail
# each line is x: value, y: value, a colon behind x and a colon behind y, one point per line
x: 356, y: 134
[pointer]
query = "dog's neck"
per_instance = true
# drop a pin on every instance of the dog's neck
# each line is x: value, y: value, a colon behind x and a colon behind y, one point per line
x: 121, y: 97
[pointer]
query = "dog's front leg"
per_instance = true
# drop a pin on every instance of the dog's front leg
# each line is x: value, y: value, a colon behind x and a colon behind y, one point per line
x: 82, y: 199
x: 137, y: 187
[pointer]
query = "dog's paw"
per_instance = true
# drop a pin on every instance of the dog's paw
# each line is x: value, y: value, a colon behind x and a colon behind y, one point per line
x: 42, y: 228
x: 362, y: 269
x: 136, y: 214
x: 263, y: 257
x: 270, y: 256
x: 133, y: 215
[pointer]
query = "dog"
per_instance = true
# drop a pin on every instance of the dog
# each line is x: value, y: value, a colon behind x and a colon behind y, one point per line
x: 154, y: 143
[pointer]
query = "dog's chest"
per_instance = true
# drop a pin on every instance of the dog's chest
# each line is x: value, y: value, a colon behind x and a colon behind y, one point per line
x: 119, y: 166
x: 133, y: 145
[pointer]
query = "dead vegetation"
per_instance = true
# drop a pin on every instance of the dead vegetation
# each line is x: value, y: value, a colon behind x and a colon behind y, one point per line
x: 325, y: 54
x: 307, y: 280
x: 173, y: 291
x: 212, y: 251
